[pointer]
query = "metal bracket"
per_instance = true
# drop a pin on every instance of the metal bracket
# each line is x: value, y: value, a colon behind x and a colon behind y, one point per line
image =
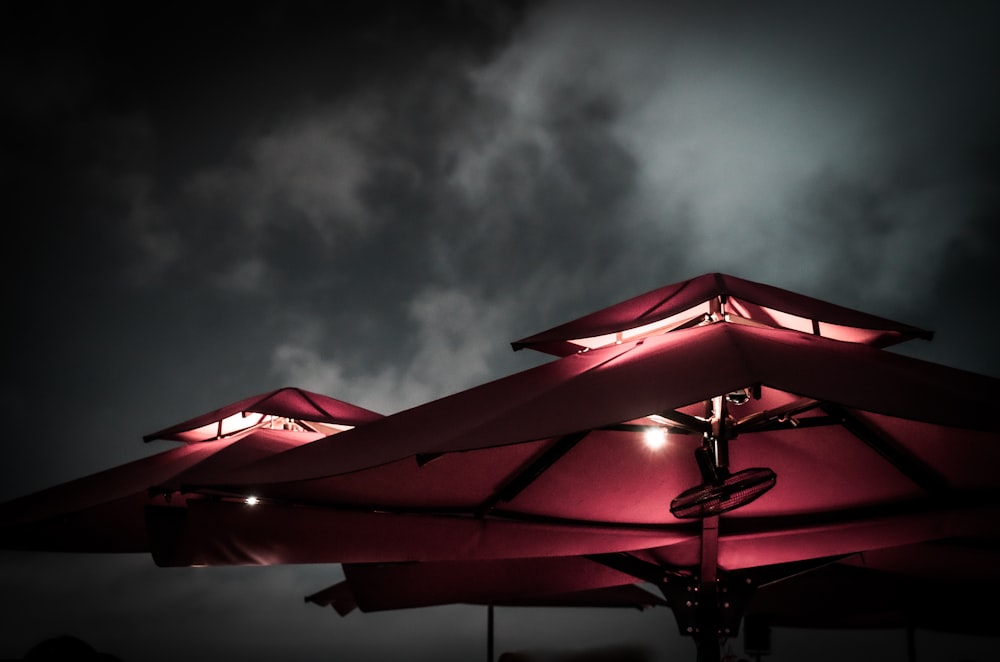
x: 697, y: 607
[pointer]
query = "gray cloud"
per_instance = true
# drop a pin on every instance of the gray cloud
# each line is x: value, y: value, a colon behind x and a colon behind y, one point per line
x: 307, y: 170
x: 446, y: 327
x: 748, y: 152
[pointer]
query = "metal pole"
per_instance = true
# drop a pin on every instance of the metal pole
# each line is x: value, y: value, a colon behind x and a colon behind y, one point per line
x: 707, y: 638
x: 489, y: 632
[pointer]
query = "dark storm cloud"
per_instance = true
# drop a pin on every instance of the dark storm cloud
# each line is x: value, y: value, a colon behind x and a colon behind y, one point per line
x: 433, y: 174
x: 173, y: 169
x: 592, y: 149
x: 816, y: 149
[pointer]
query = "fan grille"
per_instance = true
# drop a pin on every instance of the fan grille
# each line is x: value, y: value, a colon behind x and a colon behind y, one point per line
x: 734, y: 491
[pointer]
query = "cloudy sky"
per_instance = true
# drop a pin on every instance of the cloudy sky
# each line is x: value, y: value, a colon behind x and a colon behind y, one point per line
x: 205, y: 201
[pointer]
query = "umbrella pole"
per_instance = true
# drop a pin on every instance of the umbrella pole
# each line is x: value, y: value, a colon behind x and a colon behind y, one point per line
x: 707, y: 636
x: 709, y: 627
x: 489, y: 632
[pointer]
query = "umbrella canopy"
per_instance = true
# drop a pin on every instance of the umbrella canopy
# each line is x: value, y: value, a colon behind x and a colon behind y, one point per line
x: 105, y: 512
x: 846, y: 427
x: 504, y: 583
x: 936, y: 586
x: 717, y: 295
x: 574, y: 582
x: 288, y: 406
x: 933, y: 586
x: 853, y: 448
x: 711, y: 453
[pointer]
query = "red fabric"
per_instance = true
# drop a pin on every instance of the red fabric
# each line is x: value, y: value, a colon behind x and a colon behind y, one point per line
x: 503, y: 583
x: 287, y: 402
x: 608, y: 493
x: 396, y: 586
x: 749, y: 296
x: 231, y: 533
x: 761, y: 545
x: 104, y: 511
x: 879, y: 454
x: 835, y: 493
x: 626, y: 382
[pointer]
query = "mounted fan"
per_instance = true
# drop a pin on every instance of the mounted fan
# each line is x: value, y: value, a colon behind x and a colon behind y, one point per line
x: 720, y: 491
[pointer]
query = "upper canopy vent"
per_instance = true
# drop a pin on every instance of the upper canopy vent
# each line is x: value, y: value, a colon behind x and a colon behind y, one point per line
x: 283, y: 407
x: 714, y: 298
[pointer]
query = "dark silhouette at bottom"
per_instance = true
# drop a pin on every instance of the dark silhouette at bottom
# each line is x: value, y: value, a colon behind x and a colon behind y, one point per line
x: 66, y: 648
x: 613, y: 654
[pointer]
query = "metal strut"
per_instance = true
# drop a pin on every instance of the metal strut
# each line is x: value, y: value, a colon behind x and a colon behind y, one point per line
x: 708, y: 626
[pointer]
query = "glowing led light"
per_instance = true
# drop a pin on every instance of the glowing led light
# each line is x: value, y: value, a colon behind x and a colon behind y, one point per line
x: 251, y: 501
x: 655, y: 438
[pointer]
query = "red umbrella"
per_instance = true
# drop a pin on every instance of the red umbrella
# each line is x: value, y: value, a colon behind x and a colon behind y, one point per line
x: 718, y: 296
x: 285, y: 407
x: 497, y: 583
x: 707, y: 455
x: 776, y: 446
x: 935, y: 586
x: 104, y: 512
x: 550, y: 580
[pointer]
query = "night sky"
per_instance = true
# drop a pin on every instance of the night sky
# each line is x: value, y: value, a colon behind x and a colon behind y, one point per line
x: 209, y: 200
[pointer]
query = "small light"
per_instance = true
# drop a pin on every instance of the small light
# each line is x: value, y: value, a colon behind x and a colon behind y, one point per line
x: 655, y: 438
x: 251, y: 501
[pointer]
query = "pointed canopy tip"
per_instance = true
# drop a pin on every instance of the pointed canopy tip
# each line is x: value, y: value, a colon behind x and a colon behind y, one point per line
x: 716, y: 297
x: 286, y: 402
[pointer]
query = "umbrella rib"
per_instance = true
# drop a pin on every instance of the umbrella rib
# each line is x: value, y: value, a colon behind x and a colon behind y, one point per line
x: 771, y: 575
x: 897, y: 455
x: 635, y: 427
x: 755, y: 421
x: 791, y: 424
x: 553, y: 520
x: 231, y: 494
x: 688, y: 422
x: 683, y: 424
x: 526, y: 476
x: 633, y: 566
x: 305, y: 425
x: 834, y: 519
